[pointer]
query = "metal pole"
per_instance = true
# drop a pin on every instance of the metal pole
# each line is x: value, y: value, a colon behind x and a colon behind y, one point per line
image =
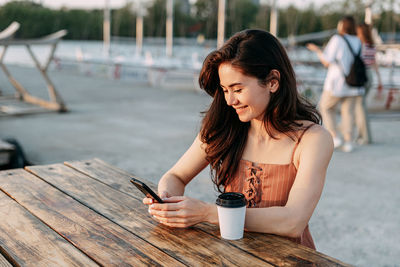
x: 139, y: 29
x: 169, y: 27
x: 273, y: 27
x: 221, y: 23
x: 107, y: 27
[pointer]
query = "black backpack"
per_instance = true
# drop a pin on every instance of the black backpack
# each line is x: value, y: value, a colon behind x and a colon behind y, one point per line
x: 358, y: 73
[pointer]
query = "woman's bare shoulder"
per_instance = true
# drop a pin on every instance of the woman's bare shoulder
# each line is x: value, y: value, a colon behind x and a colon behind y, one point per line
x: 316, y: 144
x: 316, y: 134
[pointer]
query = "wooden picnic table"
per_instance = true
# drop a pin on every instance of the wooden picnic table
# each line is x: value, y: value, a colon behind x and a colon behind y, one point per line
x: 87, y: 213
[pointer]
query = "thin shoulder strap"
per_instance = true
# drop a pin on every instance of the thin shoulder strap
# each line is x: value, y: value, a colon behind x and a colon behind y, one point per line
x: 351, y: 49
x: 299, y: 139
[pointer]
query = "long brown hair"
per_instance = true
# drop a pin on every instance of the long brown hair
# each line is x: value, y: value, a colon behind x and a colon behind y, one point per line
x: 365, y: 34
x: 255, y: 53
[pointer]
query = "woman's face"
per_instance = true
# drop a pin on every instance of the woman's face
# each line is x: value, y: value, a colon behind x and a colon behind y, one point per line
x: 244, y: 93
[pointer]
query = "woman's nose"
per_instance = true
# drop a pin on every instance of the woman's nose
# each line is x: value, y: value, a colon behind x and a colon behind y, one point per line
x: 230, y: 99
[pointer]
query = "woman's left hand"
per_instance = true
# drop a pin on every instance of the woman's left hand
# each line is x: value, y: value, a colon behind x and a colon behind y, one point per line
x: 182, y: 211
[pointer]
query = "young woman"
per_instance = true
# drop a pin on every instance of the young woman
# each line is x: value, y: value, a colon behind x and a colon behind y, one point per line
x: 368, y: 55
x: 259, y: 137
x: 337, y: 57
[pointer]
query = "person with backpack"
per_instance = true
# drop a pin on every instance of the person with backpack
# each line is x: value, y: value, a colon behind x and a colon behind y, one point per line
x: 344, y: 81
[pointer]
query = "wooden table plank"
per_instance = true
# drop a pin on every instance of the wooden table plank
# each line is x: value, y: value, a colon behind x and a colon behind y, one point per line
x: 106, y: 173
x: 278, y: 250
x: 81, y: 226
x: 274, y: 249
x: 29, y: 242
x: 4, y: 262
x: 190, y: 246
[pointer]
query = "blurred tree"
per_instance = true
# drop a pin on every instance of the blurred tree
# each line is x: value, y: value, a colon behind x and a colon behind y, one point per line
x: 240, y: 15
x: 30, y: 16
x: 206, y: 13
x: 123, y: 21
x: 183, y: 20
x: 288, y: 21
x: 154, y: 21
x: 262, y: 18
x: 309, y: 21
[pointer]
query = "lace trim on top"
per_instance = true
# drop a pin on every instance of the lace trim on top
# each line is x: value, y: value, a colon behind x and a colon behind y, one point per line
x: 252, y: 187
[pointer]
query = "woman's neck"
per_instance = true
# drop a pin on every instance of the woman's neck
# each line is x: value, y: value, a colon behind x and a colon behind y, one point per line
x: 258, y: 130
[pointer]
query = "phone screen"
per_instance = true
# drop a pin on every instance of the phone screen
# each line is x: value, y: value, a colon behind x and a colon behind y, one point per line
x: 146, y: 190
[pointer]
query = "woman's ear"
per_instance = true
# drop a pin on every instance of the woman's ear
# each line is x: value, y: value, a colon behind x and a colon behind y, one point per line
x: 275, y: 77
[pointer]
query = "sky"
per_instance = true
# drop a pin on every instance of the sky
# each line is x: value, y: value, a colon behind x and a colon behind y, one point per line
x: 89, y: 4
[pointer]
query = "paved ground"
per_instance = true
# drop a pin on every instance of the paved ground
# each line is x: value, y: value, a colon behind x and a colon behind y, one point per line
x: 144, y: 130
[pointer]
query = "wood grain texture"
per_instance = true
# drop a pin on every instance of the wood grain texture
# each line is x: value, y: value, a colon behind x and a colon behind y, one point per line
x: 274, y: 249
x: 190, y: 246
x: 29, y: 242
x: 107, y: 173
x: 277, y: 250
x: 4, y: 262
x: 99, y: 238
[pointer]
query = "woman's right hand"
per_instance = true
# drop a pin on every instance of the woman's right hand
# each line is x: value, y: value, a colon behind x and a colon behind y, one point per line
x: 149, y: 201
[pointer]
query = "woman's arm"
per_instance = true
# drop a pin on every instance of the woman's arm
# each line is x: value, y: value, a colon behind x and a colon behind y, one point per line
x: 179, y: 210
x: 173, y: 182
x: 314, y: 153
x: 318, y: 51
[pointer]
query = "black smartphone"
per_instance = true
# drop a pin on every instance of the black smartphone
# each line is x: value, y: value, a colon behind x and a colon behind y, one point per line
x: 146, y: 190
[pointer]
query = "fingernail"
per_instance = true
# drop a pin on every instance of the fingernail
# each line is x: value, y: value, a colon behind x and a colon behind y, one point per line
x: 149, y: 210
x: 152, y: 206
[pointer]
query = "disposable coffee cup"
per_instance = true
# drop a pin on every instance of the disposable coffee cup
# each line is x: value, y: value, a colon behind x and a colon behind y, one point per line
x: 231, y: 214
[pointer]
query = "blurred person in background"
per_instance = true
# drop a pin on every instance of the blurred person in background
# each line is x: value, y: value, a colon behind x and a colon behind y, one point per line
x: 368, y: 55
x: 338, y: 58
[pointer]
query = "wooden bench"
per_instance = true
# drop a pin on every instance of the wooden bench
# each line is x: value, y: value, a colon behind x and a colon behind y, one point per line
x: 87, y: 213
x: 55, y: 101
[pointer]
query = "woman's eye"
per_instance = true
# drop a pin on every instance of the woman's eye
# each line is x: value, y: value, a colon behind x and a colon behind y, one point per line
x: 237, y: 90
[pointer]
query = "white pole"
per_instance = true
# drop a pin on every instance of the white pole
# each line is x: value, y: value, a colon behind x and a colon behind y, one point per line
x: 221, y: 23
x: 169, y: 27
x: 107, y: 27
x: 139, y: 29
x: 368, y: 14
x: 273, y: 27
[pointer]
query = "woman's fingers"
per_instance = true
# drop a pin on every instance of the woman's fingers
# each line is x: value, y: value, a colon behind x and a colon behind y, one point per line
x: 180, y: 211
x: 164, y: 194
x: 175, y: 222
x: 174, y: 199
x: 148, y: 201
x: 163, y: 213
x: 164, y: 206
